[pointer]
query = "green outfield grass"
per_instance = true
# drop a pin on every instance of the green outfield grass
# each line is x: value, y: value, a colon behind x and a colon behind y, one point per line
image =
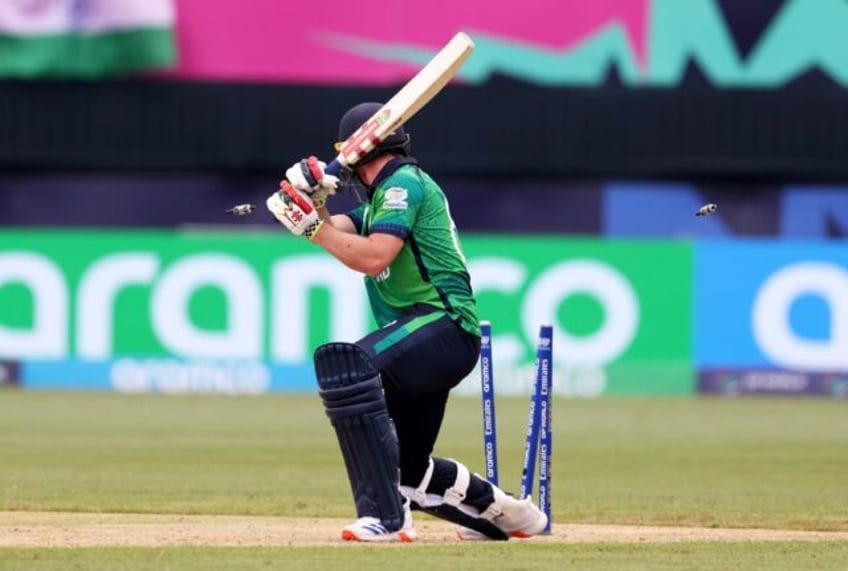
x: 789, y: 556
x: 766, y: 463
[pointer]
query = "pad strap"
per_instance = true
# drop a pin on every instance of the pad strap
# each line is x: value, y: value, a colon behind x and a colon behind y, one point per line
x: 453, y: 496
x: 456, y: 493
x: 419, y: 495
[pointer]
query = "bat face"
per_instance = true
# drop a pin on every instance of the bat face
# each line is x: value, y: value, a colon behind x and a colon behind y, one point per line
x: 365, y: 138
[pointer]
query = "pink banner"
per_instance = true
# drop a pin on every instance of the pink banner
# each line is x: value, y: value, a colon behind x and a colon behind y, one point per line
x: 348, y: 42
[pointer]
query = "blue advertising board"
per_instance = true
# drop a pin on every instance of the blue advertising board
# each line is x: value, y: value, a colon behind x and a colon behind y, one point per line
x: 771, y: 304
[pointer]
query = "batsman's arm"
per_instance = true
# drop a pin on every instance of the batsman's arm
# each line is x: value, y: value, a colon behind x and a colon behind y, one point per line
x: 367, y: 254
x: 341, y: 222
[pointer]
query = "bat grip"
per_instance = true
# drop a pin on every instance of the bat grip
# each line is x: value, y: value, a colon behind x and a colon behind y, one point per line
x: 334, y: 168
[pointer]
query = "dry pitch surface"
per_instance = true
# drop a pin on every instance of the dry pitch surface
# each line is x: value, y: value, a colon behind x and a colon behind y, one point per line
x: 66, y: 529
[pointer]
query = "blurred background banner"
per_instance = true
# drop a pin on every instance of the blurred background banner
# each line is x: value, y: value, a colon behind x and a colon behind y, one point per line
x: 791, y: 297
x: 127, y: 128
x: 659, y: 208
x: 200, y: 311
x: 645, y: 42
x: 9, y: 374
x: 84, y: 38
x: 203, y: 311
x: 612, y: 88
x: 772, y: 382
x: 372, y: 42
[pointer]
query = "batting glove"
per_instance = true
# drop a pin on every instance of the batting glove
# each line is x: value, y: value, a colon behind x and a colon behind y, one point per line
x: 295, y: 210
x: 308, y: 176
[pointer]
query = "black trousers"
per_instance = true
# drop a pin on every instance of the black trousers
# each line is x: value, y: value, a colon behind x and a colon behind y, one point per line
x: 420, y: 357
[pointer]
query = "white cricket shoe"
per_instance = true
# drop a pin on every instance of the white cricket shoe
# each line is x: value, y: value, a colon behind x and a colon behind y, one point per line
x: 521, y: 518
x: 372, y: 529
x: 516, y: 518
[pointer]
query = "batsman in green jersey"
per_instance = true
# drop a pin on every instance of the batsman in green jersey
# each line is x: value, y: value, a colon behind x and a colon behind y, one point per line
x: 386, y: 394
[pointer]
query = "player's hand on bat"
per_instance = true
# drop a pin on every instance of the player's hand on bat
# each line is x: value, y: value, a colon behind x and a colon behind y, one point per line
x: 308, y: 175
x: 295, y: 210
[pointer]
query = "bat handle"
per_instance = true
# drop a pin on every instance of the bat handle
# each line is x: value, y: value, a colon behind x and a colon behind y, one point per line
x: 334, y: 168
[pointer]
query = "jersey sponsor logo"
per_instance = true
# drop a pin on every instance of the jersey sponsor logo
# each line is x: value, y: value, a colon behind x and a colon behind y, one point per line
x: 396, y: 199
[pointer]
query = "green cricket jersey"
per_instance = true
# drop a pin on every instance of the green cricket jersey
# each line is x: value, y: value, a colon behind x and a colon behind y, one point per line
x: 430, y: 268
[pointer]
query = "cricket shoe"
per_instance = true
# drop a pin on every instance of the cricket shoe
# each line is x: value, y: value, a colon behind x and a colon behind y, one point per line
x: 522, y: 519
x: 516, y: 518
x: 372, y: 529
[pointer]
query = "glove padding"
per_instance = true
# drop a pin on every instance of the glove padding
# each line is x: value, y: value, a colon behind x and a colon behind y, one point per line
x: 295, y: 210
x: 308, y: 176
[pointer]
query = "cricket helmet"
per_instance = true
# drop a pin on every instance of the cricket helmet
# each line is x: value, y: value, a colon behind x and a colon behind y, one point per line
x: 397, y: 141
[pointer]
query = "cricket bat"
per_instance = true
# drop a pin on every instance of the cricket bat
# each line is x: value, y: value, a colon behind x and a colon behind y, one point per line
x: 405, y: 103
